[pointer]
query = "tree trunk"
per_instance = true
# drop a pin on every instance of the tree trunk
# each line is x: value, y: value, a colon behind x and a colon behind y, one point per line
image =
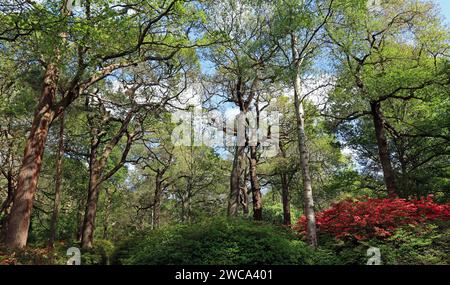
x: 244, y: 195
x: 93, y: 193
x: 383, y: 151
x: 79, y: 233
x: 285, y: 191
x: 157, y: 200
x: 235, y: 178
x: 256, y: 189
x: 19, y: 218
x: 58, y: 180
x: 307, y: 185
x: 107, y: 215
x: 189, y: 198
x: 303, y: 150
x: 285, y: 199
x: 87, y: 237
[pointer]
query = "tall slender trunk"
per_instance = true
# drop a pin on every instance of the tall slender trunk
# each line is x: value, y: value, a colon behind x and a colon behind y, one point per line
x: 183, y: 208
x: 285, y: 191
x: 93, y: 194
x: 91, y: 211
x: 58, y: 180
x: 107, y: 215
x: 79, y: 233
x: 235, y: 178
x: 189, y: 200
x: 303, y: 150
x: 19, y: 218
x: 285, y: 199
x: 256, y: 188
x: 383, y: 151
x: 157, y: 199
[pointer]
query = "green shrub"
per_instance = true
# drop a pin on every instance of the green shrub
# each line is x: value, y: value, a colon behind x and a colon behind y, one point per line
x: 100, y: 254
x: 216, y: 241
x: 422, y: 245
x: 409, y: 245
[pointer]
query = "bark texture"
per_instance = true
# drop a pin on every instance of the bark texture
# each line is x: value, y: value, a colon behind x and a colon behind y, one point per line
x: 19, y: 218
x: 383, y: 150
x: 256, y: 188
x: 303, y: 150
x: 58, y: 182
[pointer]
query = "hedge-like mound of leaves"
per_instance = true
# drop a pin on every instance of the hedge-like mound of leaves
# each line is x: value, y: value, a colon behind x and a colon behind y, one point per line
x: 216, y: 241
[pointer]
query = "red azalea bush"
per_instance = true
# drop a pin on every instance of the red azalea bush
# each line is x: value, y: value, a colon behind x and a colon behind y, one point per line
x: 375, y: 217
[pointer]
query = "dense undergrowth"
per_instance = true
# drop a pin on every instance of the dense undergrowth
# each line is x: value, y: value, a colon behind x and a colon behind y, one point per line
x: 405, y: 232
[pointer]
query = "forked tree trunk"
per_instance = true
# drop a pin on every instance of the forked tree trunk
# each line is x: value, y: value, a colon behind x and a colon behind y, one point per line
x: 87, y: 235
x: 256, y: 188
x: 303, y: 150
x: 97, y: 163
x: 19, y: 218
x: 383, y: 150
x: 58, y: 182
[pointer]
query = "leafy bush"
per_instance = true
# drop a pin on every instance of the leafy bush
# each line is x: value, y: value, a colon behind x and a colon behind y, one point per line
x: 423, y: 244
x: 409, y: 245
x: 273, y: 213
x: 216, y: 241
x: 100, y: 254
x: 362, y: 220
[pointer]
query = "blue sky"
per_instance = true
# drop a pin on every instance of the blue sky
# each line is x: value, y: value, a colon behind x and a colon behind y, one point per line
x: 445, y: 9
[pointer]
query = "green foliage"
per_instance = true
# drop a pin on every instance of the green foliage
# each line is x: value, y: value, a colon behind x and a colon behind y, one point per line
x: 273, y: 213
x: 100, y: 254
x: 421, y: 245
x: 425, y: 244
x: 216, y: 241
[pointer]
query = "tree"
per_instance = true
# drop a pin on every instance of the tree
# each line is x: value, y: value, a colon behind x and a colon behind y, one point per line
x: 58, y: 182
x: 241, y: 59
x: 72, y: 40
x: 298, y: 31
x: 382, y: 66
